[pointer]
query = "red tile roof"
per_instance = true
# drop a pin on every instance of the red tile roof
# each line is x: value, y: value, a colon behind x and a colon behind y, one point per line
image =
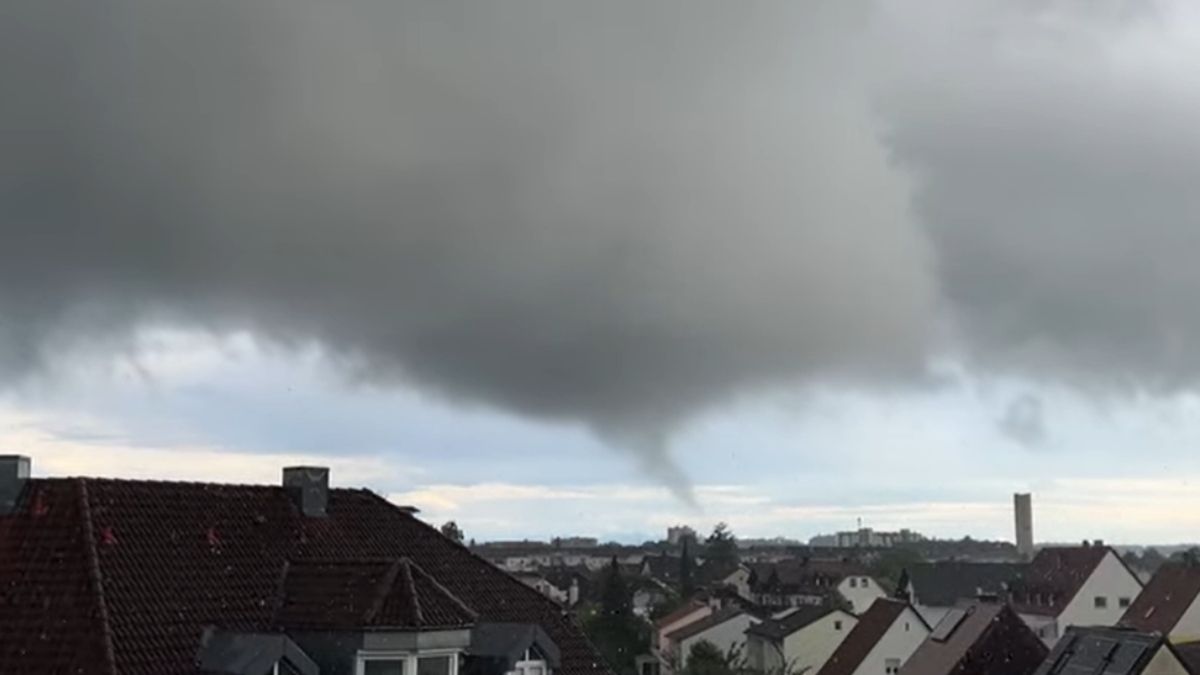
x: 871, y: 626
x: 109, y: 576
x: 1163, y: 601
x: 1054, y: 577
x: 349, y: 594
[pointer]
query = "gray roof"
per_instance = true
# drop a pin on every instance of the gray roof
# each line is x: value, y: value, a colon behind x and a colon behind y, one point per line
x: 508, y: 641
x: 945, y: 584
x: 777, y: 629
x: 230, y: 653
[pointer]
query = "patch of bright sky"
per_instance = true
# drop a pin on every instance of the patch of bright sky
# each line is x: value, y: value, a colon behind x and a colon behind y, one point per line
x: 197, y: 407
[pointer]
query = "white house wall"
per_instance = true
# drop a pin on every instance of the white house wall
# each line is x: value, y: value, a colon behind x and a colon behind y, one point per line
x: 862, y: 594
x: 902, y: 638
x: 1110, y: 580
x: 725, y: 636
x: 811, y: 646
x: 1187, y: 629
x: 1165, y: 663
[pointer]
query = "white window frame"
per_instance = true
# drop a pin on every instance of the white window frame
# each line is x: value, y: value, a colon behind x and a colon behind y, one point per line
x: 527, y: 661
x: 408, y: 657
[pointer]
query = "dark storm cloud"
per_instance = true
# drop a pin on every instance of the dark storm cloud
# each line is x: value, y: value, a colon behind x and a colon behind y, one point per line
x: 1024, y: 420
x: 615, y: 213
x: 1056, y: 150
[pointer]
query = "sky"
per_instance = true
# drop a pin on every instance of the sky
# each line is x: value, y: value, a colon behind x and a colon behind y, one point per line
x: 557, y: 267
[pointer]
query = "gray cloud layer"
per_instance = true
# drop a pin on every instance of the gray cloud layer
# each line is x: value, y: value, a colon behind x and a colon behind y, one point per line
x: 616, y: 213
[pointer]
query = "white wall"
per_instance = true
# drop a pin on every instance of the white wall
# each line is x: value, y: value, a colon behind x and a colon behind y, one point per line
x: 1110, y: 580
x: 725, y: 636
x: 902, y: 638
x: 1164, y: 663
x: 664, y: 645
x: 932, y: 614
x: 812, y: 645
x: 1187, y: 629
x: 863, y: 594
x: 1045, y: 627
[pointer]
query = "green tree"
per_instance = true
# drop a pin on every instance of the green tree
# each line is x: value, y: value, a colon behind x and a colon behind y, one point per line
x: 451, y: 531
x: 705, y: 658
x: 687, y: 584
x: 617, y: 633
x: 721, y: 546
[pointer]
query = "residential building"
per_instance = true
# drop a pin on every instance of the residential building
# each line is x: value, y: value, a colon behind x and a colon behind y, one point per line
x: 867, y: 538
x: 1169, y: 604
x: 938, y: 587
x: 983, y: 638
x: 689, y: 613
x: 1112, y: 651
x: 664, y: 568
x: 547, y: 588
x: 647, y: 594
x: 101, y: 576
x: 885, y: 636
x: 1074, y: 586
x: 795, y: 583
x: 724, y: 629
x: 800, y: 640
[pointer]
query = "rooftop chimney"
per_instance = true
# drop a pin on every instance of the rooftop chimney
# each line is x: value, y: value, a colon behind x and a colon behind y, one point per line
x: 14, y: 471
x: 308, y: 487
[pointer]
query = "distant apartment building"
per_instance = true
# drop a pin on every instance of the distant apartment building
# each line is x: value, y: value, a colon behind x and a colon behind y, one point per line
x: 676, y: 534
x: 865, y: 537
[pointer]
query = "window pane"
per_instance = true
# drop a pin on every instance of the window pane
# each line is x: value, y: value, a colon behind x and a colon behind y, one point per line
x: 384, y: 667
x: 433, y: 665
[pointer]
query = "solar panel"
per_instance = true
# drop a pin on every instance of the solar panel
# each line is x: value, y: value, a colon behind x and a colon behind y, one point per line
x: 946, y: 626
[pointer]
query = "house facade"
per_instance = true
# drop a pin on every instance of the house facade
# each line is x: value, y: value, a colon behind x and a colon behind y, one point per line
x: 885, y: 636
x: 725, y: 630
x: 800, y: 641
x: 1074, y: 586
x: 809, y: 582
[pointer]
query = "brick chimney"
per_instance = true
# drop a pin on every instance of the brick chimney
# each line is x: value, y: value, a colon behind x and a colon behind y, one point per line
x: 14, y: 471
x: 308, y: 486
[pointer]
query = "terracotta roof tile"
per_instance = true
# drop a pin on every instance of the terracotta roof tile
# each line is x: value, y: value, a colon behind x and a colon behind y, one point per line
x: 172, y: 558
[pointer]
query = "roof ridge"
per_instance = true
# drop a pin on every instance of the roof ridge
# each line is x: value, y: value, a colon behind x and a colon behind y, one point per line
x: 383, y: 589
x: 411, y: 587
x: 467, y: 609
x: 96, y: 578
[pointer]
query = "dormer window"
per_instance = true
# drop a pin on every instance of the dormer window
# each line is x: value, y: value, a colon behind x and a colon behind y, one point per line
x: 531, y: 663
x: 407, y: 663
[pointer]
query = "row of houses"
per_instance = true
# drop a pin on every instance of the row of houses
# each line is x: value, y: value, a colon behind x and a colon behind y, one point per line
x: 1069, y: 610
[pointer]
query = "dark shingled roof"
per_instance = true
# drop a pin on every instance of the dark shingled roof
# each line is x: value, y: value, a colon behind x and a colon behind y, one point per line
x: 944, y: 584
x: 990, y: 640
x: 778, y: 629
x: 1105, y: 651
x: 112, y: 576
x: 871, y: 626
x: 360, y: 594
x: 1163, y: 601
x: 809, y: 576
x: 1054, y: 577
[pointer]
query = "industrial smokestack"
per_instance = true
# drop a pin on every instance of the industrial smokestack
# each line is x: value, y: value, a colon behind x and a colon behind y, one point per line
x: 1023, y: 512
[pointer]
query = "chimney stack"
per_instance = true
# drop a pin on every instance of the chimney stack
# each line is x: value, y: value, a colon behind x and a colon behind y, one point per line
x: 308, y: 486
x: 14, y: 471
x: 1023, y: 513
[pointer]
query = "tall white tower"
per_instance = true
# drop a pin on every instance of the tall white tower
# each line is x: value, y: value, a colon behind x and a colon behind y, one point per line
x: 1023, y: 512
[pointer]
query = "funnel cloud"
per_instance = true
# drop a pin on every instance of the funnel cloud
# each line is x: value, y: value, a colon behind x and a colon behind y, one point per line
x: 615, y: 214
